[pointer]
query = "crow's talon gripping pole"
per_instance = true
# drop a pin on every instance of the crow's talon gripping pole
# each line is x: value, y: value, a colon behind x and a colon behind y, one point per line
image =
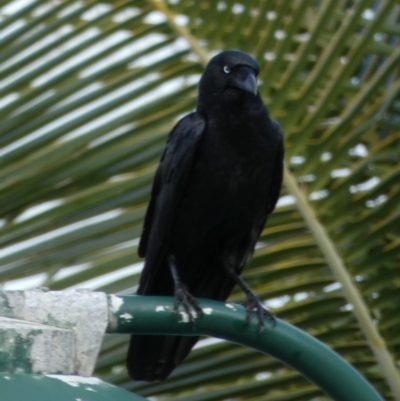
x: 252, y: 303
x: 182, y: 295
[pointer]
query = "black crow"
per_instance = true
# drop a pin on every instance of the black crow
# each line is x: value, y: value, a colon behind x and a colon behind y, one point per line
x: 218, y: 180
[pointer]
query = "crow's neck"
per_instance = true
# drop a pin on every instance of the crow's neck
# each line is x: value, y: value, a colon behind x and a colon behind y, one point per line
x: 246, y: 106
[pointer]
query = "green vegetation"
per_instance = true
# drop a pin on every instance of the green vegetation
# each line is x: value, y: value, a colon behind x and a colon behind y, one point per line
x: 89, y: 92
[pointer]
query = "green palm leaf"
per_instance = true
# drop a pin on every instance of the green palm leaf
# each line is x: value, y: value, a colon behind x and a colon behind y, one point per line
x: 89, y: 92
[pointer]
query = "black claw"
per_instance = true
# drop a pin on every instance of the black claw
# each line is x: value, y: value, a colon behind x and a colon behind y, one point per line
x: 185, y: 299
x: 182, y: 295
x: 253, y: 303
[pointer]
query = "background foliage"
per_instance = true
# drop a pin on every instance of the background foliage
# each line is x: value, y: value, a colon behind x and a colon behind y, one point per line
x: 89, y: 91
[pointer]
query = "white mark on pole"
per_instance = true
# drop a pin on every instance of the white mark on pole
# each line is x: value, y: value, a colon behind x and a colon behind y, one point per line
x: 127, y: 316
x: 116, y: 303
x: 185, y: 317
x: 160, y: 308
x: 75, y: 381
x: 207, y: 311
x: 230, y: 306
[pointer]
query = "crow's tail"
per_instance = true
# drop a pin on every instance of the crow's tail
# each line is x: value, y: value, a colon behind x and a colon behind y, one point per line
x: 153, y: 358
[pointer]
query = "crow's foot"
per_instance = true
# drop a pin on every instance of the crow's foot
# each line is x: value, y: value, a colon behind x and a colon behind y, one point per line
x: 185, y: 299
x: 253, y: 304
x: 182, y: 295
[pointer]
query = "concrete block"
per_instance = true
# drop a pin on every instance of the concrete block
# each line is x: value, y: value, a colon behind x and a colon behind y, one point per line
x: 84, y: 314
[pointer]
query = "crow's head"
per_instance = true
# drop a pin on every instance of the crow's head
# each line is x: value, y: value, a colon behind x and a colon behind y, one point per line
x: 229, y: 74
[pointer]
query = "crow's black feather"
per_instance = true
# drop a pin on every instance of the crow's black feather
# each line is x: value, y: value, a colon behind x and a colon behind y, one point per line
x: 218, y: 180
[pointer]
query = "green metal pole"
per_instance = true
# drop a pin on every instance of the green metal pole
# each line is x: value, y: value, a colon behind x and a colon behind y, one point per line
x: 294, y: 347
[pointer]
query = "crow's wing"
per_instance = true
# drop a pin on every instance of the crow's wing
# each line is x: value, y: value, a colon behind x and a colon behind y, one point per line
x: 273, y: 194
x: 169, y: 184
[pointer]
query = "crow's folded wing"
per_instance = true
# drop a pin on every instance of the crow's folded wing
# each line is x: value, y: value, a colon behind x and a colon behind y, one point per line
x: 168, y: 187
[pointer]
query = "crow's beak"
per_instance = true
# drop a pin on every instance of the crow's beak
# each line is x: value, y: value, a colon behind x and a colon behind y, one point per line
x: 245, y: 79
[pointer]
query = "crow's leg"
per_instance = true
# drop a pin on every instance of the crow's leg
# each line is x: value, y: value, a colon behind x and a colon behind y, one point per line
x: 252, y: 302
x: 182, y: 295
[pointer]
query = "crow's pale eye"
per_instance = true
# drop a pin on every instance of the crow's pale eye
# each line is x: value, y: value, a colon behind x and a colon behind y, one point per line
x: 227, y: 70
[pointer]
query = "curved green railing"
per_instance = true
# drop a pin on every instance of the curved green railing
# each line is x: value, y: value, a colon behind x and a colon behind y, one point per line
x: 294, y: 347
